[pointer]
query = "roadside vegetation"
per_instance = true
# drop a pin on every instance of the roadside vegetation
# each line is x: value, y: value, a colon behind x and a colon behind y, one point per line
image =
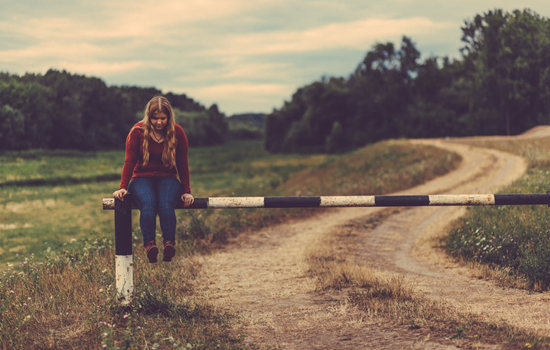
x: 57, y: 288
x: 513, y: 242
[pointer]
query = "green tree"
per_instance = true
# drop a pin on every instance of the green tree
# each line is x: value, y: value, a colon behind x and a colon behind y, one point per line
x: 32, y: 106
x: 336, y: 141
x: 63, y: 110
x: 12, y: 128
x: 203, y: 128
x: 508, y: 54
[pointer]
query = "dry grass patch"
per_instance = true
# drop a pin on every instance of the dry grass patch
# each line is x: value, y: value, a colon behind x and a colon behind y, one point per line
x: 502, y: 276
x: 69, y: 301
x: 537, y: 151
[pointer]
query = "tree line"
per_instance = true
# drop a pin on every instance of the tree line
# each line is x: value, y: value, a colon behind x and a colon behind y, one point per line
x: 59, y: 110
x: 499, y: 85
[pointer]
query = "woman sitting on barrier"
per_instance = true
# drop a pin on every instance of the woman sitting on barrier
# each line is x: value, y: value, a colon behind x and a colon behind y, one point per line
x: 156, y: 152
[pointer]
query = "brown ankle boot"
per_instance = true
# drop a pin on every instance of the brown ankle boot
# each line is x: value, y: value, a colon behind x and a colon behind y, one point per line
x: 169, y: 250
x: 152, y: 251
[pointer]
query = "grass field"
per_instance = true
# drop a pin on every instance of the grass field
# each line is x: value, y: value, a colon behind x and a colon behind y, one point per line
x: 57, y: 289
x: 48, y: 199
x: 41, y: 219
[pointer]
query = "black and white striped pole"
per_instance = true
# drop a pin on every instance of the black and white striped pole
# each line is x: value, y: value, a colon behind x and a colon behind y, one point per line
x: 123, y: 216
x: 124, y: 259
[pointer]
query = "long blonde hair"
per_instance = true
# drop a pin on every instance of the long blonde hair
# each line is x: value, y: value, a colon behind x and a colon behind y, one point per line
x: 160, y: 104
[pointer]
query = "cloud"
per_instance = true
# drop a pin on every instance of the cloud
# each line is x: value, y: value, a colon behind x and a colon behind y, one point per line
x: 52, y: 50
x: 90, y: 37
x: 355, y: 34
x: 100, y: 68
x: 117, y: 19
x: 229, y: 97
x: 238, y: 71
x: 158, y: 19
x: 239, y: 89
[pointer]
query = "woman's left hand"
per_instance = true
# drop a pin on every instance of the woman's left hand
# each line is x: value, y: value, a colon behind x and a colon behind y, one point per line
x: 187, y: 199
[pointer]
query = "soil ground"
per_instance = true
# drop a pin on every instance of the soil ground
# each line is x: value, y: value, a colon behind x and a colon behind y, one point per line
x: 263, y: 277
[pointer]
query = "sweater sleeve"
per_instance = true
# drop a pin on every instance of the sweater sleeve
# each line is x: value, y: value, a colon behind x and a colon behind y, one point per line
x: 131, y: 157
x: 182, y: 162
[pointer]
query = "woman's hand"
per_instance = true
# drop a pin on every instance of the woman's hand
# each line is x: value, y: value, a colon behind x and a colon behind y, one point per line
x: 120, y: 194
x: 187, y: 199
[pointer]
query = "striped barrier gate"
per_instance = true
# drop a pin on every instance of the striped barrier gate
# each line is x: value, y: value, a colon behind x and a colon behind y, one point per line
x: 123, y: 216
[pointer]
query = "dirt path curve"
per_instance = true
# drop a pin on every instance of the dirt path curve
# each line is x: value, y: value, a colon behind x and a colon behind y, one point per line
x: 263, y: 277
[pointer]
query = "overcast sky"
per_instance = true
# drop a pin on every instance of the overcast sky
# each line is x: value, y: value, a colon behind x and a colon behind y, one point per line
x: 246, y: 56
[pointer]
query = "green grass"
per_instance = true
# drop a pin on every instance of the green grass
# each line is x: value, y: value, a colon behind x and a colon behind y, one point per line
x: 513, y: 239
x: 41, y: 167
x: 57, y: 288
x: 36, y: 217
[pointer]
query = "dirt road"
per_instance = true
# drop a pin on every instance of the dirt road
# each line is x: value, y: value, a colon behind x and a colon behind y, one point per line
x: 263, y: 277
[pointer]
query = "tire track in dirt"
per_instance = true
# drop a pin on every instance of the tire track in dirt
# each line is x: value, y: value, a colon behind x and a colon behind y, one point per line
x: 263, y: 277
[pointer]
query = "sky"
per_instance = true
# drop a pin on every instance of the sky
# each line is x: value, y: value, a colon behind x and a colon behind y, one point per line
x: 243, y: 55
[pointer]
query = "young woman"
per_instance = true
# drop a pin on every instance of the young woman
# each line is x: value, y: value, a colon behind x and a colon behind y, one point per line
x: 156, y: 153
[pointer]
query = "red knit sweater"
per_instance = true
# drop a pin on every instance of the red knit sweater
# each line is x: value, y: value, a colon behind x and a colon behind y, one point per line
x: 133, y: 166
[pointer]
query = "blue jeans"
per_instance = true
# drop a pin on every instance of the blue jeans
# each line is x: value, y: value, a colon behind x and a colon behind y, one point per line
x: 156, y: 195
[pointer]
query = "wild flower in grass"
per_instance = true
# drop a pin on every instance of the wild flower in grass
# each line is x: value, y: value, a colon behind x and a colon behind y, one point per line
x: 528, y: 345
x: 106, y: 334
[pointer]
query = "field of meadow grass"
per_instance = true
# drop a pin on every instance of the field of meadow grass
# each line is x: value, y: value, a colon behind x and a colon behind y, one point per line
x: 48, y: 199
x: 57, y: 284
x: 513, y: 242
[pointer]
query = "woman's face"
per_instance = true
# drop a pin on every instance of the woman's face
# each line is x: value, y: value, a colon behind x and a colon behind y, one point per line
x: 159, y: 120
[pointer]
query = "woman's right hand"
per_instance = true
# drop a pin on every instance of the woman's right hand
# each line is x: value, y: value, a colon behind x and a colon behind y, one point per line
x: 120, y: 194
